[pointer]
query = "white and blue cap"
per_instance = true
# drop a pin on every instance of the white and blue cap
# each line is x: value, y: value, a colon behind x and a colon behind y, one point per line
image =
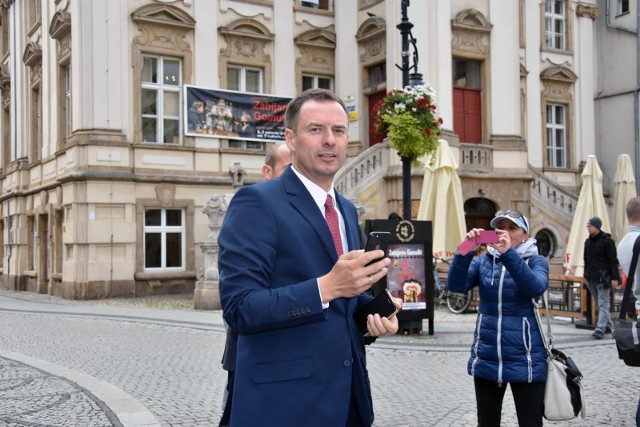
x: 514, y: 216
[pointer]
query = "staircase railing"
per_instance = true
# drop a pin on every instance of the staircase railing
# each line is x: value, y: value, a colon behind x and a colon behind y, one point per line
x: 368, y: 167
x: 552, y: 195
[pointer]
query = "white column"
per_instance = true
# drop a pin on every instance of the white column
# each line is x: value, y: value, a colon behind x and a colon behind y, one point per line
x: 284, y: 61
x: 584, y: 127
x: 100, y: 50
x: 432, y: 30
x: 347, y: 75
x: 534, y: 115
x: 393, y: 14
x: 206, y: 72
x: 505, y: 68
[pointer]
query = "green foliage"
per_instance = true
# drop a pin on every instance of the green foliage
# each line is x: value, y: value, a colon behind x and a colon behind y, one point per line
x: 409, y: 120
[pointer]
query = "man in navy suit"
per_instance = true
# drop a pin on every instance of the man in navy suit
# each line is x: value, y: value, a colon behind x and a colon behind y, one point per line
x: 276, y: 161
x: 287, y: 291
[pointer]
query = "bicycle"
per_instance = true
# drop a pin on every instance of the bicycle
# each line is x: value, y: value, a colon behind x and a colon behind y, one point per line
x: 457, y: 303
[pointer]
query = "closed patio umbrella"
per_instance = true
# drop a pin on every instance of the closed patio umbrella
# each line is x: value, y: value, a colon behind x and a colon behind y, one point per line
x: 624, y: 190
x: 441, y: 202
x: 590, y: 203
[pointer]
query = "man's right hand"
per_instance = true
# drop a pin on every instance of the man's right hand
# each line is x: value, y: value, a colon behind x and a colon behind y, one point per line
x: 350, y: 276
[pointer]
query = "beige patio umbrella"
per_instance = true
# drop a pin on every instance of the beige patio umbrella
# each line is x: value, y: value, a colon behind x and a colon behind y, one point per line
x: 590, y: 203
x: 625, y: 190
x: 441, y: 202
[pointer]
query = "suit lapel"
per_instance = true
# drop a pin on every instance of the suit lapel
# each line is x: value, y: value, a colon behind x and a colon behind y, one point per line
x: 301, y: 200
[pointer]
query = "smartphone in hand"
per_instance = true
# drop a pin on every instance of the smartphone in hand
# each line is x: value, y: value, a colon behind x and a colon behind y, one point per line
x: 466, y: 246
x: 378, y: 240
x: 382, y: 304
x: 488, y: 236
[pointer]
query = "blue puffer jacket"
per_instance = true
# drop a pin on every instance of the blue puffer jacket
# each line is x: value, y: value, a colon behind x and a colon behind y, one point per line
x: 507, y: 346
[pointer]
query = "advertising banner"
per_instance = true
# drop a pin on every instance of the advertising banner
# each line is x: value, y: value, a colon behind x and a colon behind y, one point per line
x: 235, y: 115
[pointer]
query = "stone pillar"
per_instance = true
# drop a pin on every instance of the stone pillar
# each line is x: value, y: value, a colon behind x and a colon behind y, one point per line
x: 207, y: 293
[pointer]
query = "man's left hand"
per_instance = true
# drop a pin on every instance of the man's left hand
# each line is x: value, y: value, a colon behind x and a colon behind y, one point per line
x: 379, y: 326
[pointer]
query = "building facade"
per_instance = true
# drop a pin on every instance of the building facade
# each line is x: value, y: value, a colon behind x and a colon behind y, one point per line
x: 103, y: 188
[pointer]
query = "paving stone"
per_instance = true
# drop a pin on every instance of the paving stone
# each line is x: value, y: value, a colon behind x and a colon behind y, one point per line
x: 171, y: 365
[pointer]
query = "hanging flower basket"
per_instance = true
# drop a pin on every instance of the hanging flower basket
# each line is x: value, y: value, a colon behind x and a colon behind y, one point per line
x: 408, y: 118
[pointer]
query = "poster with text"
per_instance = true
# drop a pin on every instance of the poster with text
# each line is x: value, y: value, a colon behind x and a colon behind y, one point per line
x: 235, y: 115
x: 406, y: 276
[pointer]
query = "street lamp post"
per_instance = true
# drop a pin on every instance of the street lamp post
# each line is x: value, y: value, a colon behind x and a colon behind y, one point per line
x: 408, y: 79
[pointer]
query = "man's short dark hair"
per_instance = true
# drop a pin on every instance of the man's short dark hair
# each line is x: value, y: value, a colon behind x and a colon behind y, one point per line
x: 633, y: 209
x: 293, y: 108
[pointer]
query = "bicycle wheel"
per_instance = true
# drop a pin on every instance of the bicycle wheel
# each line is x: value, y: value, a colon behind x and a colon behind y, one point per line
x: 458, y: 303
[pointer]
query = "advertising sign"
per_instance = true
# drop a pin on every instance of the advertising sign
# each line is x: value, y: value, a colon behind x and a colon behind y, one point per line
x: 410, y: 275
x: 406, y: 276
x: 235, y: 115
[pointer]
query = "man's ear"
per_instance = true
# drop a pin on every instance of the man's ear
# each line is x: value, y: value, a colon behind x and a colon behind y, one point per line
x: 288, y: 137
x: 267, y: 172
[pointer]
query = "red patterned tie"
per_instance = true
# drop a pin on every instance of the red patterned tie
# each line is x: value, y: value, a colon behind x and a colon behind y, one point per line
x: 331, y: 216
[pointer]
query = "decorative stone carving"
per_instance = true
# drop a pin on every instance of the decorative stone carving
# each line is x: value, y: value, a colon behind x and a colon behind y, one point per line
x: 215, y: 208
x: 207, y: 293
x: 587, y: 11
x: 237, y: 174
x: 470, y: 32
x: 166, y: 193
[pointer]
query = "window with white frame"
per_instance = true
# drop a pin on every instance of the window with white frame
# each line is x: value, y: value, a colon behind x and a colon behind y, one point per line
x: 555, y: 24
x: 556, y: 136
x: 313, y: 81
x: 623, y: 7
x: 318, y: 4
x: 245, y: 79
x: 161, y: 89
x: 164, y: 240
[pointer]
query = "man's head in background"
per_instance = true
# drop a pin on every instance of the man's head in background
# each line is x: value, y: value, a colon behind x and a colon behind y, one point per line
x: 277, y: 159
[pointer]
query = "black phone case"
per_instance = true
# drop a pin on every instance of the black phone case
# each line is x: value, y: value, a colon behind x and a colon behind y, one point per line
x: 378, y: 240
x: 382, y: 304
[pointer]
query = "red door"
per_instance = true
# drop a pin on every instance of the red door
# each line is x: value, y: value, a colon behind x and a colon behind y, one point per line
x: 374, y: 138
x: 467, y: 114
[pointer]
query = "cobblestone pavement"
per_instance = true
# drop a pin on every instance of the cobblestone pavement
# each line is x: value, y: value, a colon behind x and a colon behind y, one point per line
x: 112, y: 363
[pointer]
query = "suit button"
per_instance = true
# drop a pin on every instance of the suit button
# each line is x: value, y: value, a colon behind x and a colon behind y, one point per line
x: 347, y: 363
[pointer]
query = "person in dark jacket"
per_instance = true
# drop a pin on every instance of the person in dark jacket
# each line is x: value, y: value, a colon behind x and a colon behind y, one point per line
x: 507, y: 346
x: 601, y: 271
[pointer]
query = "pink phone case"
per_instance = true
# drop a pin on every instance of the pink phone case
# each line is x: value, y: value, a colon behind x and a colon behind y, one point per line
x: 466, y: 246
x: 488, y: 237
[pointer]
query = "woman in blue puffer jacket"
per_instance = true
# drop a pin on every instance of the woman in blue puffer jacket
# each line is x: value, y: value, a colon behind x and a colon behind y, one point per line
x: 507, y: 346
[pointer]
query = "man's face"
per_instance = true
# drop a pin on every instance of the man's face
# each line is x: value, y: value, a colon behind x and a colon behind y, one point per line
x: 592, y: 230
x: 319, y: 144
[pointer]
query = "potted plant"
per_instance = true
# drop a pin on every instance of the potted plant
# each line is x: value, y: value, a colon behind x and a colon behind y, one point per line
x: 409, y: 119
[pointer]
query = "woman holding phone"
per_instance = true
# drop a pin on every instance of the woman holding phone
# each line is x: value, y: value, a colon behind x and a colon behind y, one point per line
x: 507, y: 346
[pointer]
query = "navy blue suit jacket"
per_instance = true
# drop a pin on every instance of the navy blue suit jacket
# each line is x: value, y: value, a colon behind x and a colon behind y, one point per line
x: 297, y: 363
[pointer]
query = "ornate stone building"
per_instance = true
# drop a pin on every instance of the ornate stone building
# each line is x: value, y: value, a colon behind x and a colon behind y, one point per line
x: 102, y: 188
